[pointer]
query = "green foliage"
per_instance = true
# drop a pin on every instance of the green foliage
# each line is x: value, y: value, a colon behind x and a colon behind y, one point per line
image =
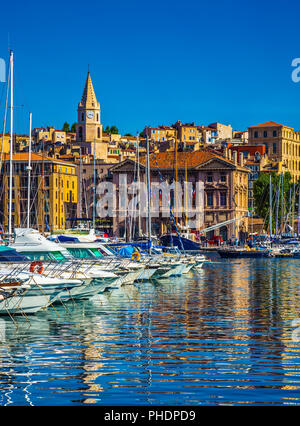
x: 111, y: 130
x: 73, y: 128
x: 66, y: 127
x: 261, y: 194
x: 114, y: 130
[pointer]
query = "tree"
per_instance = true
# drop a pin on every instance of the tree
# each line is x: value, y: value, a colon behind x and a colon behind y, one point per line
x: 113, y: 130
x: 66, y: 127
x: 73, y: 128
x: 261, y: 194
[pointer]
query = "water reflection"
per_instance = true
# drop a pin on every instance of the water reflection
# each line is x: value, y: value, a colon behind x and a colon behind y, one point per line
x: 223, y: 335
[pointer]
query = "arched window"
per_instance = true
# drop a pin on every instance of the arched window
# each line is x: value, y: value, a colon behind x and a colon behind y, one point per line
x: 80, y: 133
x: 82, y: 116
x: 97, y: 117
x: 98, y: 133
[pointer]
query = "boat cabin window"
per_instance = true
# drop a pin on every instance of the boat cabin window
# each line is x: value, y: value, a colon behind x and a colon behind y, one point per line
x: 58, y: 255
x: 80, y: 253
x: 96, y: 252
x: 45, y: 256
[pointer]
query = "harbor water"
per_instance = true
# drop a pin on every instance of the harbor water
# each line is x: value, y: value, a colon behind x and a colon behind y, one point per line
x: 226, y: 335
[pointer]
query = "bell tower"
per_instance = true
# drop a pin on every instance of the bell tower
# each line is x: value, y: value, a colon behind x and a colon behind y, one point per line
x: 89, y: 127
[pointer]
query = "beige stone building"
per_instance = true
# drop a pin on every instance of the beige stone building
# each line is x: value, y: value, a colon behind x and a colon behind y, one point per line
x: 224, y: 131
x: 160, y: 133
x: 282, y: 145
x: 187, y: 132
x: 225, y: 191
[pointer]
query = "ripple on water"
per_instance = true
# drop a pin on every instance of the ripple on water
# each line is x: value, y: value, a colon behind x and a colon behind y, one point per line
x: 221, y: 336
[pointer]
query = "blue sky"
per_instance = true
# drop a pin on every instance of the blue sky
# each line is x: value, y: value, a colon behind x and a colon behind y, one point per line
x: 154, y: 62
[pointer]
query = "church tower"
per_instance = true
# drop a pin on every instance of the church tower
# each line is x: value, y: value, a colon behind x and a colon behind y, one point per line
x: 89, y: 127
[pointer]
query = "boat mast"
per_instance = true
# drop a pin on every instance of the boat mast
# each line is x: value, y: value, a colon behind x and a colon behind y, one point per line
x: 80, y: 183
x: 139, y: 183
x: 185, y: 198
x: 270, y: 205
x: 176, y: 181
x: 43, y: 188
x: 4, y: 120
x: 298, y: 207
x: 94, y: 189
x: 29, y: 172
x: 277, y: 205
x: 290, y: 208
x: 11, y: 61
x: 148, y: 195
x: 293, y: 211
x: 281, y: 217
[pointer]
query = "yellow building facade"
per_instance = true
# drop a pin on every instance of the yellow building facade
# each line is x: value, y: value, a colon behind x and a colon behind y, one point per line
x: 53, y: 195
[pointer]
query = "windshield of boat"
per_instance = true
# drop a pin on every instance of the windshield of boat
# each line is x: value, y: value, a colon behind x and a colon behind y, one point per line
x: 10, y: 255
x: 107, y: 252
x: 51, y: 255
x: 84, y: 253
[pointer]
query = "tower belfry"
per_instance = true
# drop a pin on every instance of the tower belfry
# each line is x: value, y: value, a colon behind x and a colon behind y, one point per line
x: 89, y: 127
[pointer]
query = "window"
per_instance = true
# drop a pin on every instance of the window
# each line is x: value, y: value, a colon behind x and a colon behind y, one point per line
x: 210, y: 199
x: 223, y: 178
x: 274, y: 133
x: 209, y: 178
x: 80, y: 132
x: 223, y: 199
x: 256, y: 134
x: 265, y: 134
x: 96, y: 252
x: 274, y: 148
x: 80, y: 253
x: 98, y: 132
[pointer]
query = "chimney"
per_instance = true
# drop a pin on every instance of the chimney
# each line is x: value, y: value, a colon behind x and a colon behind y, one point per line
x: 235, y: 157
x: 226, y: 152
x: 229, y: 154
x: 241, y: 159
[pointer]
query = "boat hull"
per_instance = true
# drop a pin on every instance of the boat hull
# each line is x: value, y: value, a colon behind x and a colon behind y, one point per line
x: 243, y: 253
